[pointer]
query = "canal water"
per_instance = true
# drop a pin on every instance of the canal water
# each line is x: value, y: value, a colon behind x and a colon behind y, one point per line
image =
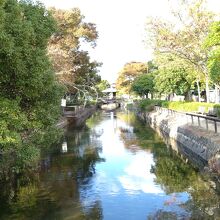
x: 113, y: 168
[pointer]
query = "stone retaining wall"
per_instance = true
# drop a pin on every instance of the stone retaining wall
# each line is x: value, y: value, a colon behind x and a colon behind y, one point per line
x: 82, y: 116
x: 201, y: 143
x: 78, y: 118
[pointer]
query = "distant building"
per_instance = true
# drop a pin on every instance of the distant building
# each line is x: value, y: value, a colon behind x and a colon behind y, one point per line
x: 111, y: 92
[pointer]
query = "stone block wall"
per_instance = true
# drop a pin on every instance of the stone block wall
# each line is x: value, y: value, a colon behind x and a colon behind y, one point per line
x: 204, y: 144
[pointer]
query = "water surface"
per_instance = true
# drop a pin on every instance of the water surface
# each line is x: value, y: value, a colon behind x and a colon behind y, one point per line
x: 113, y: 168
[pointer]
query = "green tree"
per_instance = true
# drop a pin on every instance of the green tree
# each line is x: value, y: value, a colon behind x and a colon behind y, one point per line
x: 128, y: 73
x: 174, y: 75
x: 143, y: 84
x: 104, y: 84
x: 185, y: 40
x: 29, y: 94
x: 212, y: 43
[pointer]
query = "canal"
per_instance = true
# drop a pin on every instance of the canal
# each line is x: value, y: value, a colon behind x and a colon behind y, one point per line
x: 113, y: 168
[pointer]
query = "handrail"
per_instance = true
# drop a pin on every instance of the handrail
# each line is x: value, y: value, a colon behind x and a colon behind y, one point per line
x: 204, y: 116
x: 207, y: 118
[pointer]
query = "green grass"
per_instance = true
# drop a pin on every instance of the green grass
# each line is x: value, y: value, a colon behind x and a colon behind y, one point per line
x: 148, y: 105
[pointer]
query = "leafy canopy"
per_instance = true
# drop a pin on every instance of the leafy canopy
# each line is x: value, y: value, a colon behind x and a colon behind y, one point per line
x: 143, y: 84
x: 185, y: 38
x: 72, y: 64
x: 212, y: 43
x: 29, y: 94
x: 174, y: 75
x: 128, y: 73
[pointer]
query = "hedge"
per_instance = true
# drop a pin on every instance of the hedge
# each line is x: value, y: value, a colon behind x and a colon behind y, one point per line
x: 148, y: 105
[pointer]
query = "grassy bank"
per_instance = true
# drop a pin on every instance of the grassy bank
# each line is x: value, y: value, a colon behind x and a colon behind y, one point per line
x: 148, y: 105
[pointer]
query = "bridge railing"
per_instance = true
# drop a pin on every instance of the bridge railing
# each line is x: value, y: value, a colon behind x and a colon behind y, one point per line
x: 73, y: 110
x: 203, y: 121
x: 108, y: 100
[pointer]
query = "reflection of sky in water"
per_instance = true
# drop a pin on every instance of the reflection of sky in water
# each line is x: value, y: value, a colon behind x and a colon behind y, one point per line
x: 137, y: 176
x: 124, y: 183
x: 101, y: 172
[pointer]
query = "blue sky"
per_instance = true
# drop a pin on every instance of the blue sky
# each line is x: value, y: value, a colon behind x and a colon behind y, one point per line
x: 120, y: 24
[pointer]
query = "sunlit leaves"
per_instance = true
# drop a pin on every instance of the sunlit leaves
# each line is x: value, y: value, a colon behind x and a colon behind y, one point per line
x: 174, y: 75
x: 184, y: 37
x: 70, y: 62
x: 127, y: 75
x: 212, y: 43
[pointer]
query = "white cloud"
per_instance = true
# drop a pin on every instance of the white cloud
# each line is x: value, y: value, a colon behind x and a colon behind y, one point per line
x: 138, y: 177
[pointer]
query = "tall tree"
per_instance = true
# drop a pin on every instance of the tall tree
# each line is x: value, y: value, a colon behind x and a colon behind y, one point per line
x: 174, y: 75
x: 144, y: 84
x: 212, y: 43
x: 185, y: 40
x: 128, y: 73
x: 71, y: 64
x: 104, y: 84
x: 29, y: 94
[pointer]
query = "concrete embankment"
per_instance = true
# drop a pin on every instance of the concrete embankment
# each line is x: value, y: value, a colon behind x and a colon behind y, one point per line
x: 76, y: 118
x: 62, y: 123
x: 200, y: 145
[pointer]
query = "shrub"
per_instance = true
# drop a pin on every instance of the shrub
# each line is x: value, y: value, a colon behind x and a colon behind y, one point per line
x: 147, y: 105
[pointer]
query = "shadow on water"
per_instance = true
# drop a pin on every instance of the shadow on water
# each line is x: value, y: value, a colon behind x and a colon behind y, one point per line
x: 64, y: 170
x: 115, y: 167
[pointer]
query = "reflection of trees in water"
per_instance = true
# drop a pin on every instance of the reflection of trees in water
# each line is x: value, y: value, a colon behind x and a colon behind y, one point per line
x: 19, y: 200
x: 163, y: 215
x: 74, y: 169
x: 55, y: 192
x: 192, y: 214
x: 77, y: 168
x: 128, y: 117
x: 172, y: 173
x: 85, y: 152
x: 25, y: 158
x: 94, y: 120
x: 19, y: 176
x: 37, y: 201
x: 136, y: 134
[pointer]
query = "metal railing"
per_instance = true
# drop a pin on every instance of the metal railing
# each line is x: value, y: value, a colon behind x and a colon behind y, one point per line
x: 202, y: 118
x: 195, y: 119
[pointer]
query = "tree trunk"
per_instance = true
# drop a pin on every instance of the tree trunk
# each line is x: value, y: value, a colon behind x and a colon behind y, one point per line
x: 188, y: 96
x: 207, y: 89
x: 216, y: 94
x: 152, y: 95
x: 198, y: 88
